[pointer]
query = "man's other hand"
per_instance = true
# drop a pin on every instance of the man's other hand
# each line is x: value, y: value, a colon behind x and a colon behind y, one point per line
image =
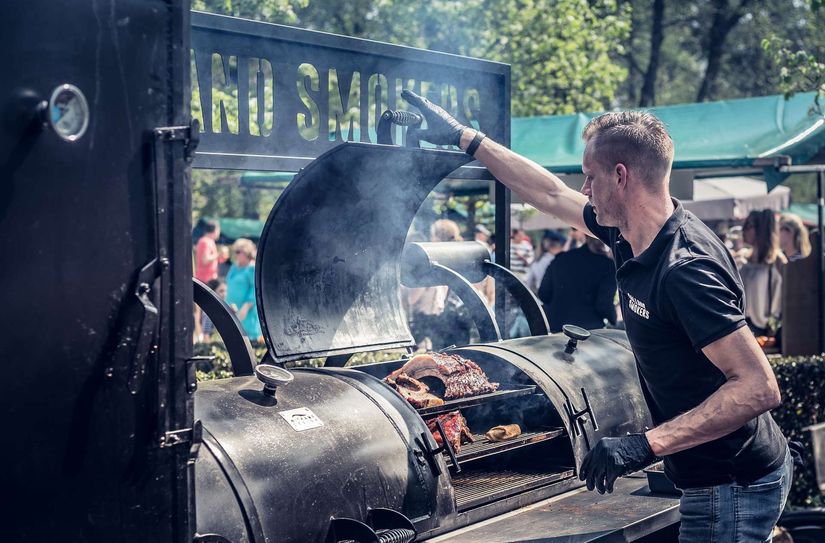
x: 613, y: 457
x: 442, y: 128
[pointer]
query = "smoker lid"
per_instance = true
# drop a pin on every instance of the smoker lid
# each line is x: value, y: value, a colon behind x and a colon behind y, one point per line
x: 328, y: 269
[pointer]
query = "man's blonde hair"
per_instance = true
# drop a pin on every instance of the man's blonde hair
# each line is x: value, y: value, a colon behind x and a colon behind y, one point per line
x: 636, y: 139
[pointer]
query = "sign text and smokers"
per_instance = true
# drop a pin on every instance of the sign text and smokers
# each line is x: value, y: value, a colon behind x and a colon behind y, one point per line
x: 270, y: 97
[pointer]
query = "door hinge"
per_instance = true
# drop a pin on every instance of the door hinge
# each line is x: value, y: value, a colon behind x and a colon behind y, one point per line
x: 189, y: 135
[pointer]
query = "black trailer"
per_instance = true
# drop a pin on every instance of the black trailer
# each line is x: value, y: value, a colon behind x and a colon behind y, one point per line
x: 124, y: 446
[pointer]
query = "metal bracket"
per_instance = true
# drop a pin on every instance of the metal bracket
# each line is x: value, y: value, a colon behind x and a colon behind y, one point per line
x: 189, y: 135
x: 579, y: 418
x: 148, y: 323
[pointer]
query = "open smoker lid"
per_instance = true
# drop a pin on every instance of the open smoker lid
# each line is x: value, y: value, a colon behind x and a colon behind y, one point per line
x: 327, y: 276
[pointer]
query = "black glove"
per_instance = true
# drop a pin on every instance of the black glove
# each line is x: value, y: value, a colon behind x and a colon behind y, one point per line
x: 442, y: 128
x: 613, y: 457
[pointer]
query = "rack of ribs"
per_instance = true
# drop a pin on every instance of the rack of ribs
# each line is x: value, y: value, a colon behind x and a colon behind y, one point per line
x: 455, y: 428
x: 414, y: 391
x: 461, y: 377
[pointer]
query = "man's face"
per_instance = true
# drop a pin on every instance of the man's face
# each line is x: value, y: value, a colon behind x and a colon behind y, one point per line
x: 600, y: 186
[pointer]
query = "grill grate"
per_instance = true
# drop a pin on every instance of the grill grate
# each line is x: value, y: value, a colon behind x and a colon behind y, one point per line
x: 503, y: 392
x: 482, y: 447
x: 474, y: 488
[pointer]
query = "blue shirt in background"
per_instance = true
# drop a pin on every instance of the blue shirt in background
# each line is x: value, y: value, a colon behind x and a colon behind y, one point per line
x: 240, y: 289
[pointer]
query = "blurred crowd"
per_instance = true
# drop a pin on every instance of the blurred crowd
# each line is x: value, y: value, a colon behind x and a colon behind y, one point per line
x: 572, y: 275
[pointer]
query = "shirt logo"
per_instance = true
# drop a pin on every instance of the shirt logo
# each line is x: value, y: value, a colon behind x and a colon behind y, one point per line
x: 638, y: 307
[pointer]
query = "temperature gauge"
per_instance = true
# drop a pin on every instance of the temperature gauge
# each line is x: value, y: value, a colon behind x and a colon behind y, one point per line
x: 68, y: 112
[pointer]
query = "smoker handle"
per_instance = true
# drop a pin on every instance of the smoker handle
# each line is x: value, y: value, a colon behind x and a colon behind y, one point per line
x: 400, y: 118
x: 241, y: 354
x: 527, y: 301
x: 447, y: 446
x: 143, y: 341
x: 431, y: 454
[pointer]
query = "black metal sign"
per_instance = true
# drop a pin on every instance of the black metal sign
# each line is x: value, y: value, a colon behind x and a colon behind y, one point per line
x: 271, y: 97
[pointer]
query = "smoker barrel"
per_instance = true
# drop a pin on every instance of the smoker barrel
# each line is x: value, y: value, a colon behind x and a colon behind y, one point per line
x: 359, y: 446
x: 464, y: 257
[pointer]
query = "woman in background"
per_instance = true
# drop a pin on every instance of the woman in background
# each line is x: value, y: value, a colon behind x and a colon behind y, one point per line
x: 762, y: 272
x: 240, y: 287
x: 793, y: 237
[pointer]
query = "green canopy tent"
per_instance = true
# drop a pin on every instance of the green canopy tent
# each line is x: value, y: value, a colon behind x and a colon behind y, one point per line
x: 710, y: 138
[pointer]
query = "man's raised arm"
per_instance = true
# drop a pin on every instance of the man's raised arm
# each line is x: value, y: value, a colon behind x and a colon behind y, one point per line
x: 530, y: 181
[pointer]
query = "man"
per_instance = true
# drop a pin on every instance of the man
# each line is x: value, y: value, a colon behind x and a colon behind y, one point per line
x: 482, y: 234
x: 579, y: 288
x: 707, y: 382
x: 206, y: 252
x: 521, y: 254
x: 552, y: 243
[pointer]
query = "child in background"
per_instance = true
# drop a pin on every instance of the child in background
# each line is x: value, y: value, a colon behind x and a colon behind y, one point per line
x: 207, y: 327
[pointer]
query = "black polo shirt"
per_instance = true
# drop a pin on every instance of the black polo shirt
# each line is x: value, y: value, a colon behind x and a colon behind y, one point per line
x: 680, y: 295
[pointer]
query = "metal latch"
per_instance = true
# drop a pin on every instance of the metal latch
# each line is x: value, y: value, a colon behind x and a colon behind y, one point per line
x: 189, y: 135
x: 192, y: 436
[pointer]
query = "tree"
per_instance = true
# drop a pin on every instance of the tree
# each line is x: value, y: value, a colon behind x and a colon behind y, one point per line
x: 725, y: 18
x: 799, y: 67
x: 648, y: 97
x: 562, y: 52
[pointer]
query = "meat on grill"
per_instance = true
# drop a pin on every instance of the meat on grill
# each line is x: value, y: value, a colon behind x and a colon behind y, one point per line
x: 455, y: 428
x: 414, y: 391
x: 461, y: 377
x: 503, y: 432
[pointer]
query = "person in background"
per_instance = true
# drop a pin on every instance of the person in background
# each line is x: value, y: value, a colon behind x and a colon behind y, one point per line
x: 224, y: 261
x: 575, y: 239
x: 521, y: 254
x: 579, y: 288
x: 762, y: 272
x: 206, y: 252
x: 207, y: 326
x: 240, y: 287
x: 426, y: 304
x: 206, y: 263
x: 793, y: 237
x: 552, y: 243
x: 482, y: 234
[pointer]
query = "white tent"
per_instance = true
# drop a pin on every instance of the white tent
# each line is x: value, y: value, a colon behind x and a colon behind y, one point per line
x: 732, y: 198
x: 714, y: 199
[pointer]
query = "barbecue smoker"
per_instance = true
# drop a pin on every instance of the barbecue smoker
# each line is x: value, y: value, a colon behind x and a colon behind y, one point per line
x: 334, y: 454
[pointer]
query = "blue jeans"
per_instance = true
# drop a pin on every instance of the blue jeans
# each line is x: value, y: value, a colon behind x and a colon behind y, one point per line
x: 734, y: 513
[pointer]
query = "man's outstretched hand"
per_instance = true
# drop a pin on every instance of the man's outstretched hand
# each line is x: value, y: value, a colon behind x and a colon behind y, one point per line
x: 613, y: 457
x: 442, y: 128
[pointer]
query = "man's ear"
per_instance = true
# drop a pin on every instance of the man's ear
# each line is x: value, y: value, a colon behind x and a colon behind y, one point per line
x: 620, y: 174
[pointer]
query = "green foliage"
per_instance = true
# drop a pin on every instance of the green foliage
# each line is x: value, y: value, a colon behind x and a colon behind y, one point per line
x: 803, y: 404
x: 799, y: 70
x: 220, y: 367
x: 276, y: 11
x: 562, y: 63
x: 562, y: 52
x: 746, y: 68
